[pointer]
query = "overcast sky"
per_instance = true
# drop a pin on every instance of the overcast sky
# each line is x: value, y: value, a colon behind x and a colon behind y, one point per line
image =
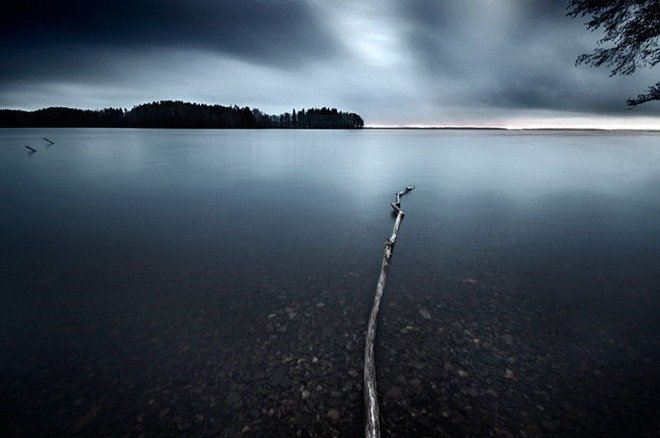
x: 476, y: 62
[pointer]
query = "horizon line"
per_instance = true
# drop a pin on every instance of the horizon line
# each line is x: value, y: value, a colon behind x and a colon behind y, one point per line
x: 509, y: 128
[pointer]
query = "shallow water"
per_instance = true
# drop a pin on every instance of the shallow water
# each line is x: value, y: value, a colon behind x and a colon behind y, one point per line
x: 219, y: 281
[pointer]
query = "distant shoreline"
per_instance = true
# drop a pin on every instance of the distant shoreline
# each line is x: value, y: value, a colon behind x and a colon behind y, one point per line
x: 168, y: 114
x: 375, y: 128
x: 493, y: 128
x: 443, y: 128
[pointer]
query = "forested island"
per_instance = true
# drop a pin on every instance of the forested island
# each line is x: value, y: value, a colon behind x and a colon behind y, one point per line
x: 178, y: 114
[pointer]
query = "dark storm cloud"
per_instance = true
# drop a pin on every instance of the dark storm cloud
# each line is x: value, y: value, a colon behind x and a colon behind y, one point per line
x: 442, y: 33
x: 545, y: 90
x: 282, y: 32
x: 515, y: 54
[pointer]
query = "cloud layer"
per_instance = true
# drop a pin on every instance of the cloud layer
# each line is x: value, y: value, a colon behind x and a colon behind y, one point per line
x: 413, y: 62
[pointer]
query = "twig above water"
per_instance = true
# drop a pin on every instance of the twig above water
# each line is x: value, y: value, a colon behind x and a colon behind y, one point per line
x: 372, y: 419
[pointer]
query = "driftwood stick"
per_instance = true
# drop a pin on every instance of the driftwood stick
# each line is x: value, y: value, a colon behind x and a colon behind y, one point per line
x: 49, y: 141
x: 395, y: 207
x: 372, y: 420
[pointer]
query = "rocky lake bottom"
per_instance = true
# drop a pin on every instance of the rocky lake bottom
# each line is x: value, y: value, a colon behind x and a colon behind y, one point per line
x: 471, y: 355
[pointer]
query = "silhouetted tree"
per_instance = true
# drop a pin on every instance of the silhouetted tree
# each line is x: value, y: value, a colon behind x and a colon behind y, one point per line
x: 631, y: 29
x: 178, y: 114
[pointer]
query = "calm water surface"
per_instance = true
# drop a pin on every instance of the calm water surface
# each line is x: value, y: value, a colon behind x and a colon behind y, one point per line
x: 219, y: 282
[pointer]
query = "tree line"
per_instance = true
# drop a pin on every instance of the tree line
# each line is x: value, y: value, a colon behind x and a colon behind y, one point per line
x: 178, y: 114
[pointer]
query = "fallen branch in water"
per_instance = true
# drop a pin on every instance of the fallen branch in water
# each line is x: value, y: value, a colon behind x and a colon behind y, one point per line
x: 372, y: 421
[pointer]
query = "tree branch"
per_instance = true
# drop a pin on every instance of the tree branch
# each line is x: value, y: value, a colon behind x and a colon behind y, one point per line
x: 653, y: 94
x: 372, y: 420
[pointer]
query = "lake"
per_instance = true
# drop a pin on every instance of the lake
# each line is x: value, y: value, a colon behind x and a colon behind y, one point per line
x: 219, y: 281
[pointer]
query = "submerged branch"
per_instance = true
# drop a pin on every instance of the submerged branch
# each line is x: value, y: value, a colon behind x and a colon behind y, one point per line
x: 372, y: 421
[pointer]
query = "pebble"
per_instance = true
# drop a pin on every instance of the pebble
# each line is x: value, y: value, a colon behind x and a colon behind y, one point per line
x: 333, y: 414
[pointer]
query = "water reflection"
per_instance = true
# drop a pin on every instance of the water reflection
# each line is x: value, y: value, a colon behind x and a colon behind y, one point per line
x: 168, y: 281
